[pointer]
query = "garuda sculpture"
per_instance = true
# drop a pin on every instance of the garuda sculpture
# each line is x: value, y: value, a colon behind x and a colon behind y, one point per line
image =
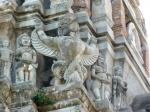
x: 69, y: 50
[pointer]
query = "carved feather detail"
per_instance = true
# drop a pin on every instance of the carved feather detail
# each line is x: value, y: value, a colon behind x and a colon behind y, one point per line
x: 90, y: 59
x: 42, y: 48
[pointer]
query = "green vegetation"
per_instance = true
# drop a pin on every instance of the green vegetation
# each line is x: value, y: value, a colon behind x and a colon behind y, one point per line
x: 75, y: 103
x: 40, y: 100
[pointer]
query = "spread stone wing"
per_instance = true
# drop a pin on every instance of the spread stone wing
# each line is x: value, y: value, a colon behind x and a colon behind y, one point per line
x: 90, y: 59
x: 42, y: 48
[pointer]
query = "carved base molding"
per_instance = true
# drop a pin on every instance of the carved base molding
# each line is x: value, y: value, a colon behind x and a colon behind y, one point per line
x: 67, y: 100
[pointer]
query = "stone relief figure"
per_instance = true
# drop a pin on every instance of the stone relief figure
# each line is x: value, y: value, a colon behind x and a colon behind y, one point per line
x: 69, y: 50
x: 6, y: 55
x: 100, y: 86
x: 26, y: 58
x: 133, y: 37
x: 119, y: 89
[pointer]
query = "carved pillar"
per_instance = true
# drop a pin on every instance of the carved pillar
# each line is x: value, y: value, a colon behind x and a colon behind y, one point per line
x: 82, y: 5
x: 118, y: 12
x: 21, y: 95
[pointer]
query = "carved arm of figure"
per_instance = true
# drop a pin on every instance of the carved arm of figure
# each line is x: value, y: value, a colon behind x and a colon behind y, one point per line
x: 18, y: 53
x: 89, y: 49
x: 50, y: 41
x: 11, y: 56
x: 97, y: 77
x: 34, y: 59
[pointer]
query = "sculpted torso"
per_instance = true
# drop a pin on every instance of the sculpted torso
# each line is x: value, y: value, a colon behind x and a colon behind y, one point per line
x: 5, y: 54
x: 99, y: 71
x: 26, y: 53
x: 76, y: 45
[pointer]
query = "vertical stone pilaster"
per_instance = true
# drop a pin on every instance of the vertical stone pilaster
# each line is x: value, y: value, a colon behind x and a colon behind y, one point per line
x: 118, y: 13
x: 82, y: 5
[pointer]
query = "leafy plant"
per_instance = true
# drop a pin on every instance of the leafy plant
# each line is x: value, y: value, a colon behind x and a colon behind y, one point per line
x: 75, y: 103
x: 40, y: 100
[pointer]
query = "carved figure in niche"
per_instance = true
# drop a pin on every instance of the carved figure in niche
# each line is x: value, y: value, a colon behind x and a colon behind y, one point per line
x: 101, y: 7
x: 119, y: 89
x: 6, y: 55
x: 69, y: 50
x: 133, y: 37
x: 26, y: 57
x: 100, y: 80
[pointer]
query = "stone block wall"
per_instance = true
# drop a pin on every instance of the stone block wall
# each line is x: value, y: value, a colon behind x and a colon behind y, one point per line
x: 118, y: 13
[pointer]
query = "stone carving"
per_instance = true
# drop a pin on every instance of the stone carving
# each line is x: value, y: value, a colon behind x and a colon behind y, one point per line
x: 100, y: 80
x: 133, y: 37
x: 69, y: 65
x: 26, y: 57
x: 119, y: 89
x: 6, y: 55
x: 4, y: 4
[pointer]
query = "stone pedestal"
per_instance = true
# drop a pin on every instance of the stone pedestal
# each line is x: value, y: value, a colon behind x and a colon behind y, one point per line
x: 71, y: 99
x: 28, y: 108
x: 21, y: 95
x: 5, y: 96
x: 128, y: 109
x: 104, y: 106
x: 5, y: 85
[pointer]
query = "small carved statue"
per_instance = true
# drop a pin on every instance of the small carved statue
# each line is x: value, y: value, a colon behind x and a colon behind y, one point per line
x: 119, y: 89
x: 6, y: 55
x: 69, y: 50
x: 101, y: 80
x: 26, y: 57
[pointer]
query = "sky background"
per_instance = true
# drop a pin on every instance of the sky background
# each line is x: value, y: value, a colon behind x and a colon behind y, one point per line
x: 145, y: 8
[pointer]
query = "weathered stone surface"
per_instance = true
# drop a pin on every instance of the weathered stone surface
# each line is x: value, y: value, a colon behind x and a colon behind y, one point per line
x: 73, y: 96
x: 104, y: 106
x: 71, y: 40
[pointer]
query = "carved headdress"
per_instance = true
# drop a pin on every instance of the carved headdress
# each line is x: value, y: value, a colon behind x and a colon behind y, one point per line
x: 3, y: 39
x: 19, y: 44
x: 118, y: 71
x: 68, y: 22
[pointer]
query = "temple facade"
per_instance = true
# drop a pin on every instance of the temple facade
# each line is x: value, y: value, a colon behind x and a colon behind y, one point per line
x: 73, y: 56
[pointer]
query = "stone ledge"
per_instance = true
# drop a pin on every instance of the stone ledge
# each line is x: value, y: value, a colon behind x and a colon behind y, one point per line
x: 75, y: 93
x: 104, y: 106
